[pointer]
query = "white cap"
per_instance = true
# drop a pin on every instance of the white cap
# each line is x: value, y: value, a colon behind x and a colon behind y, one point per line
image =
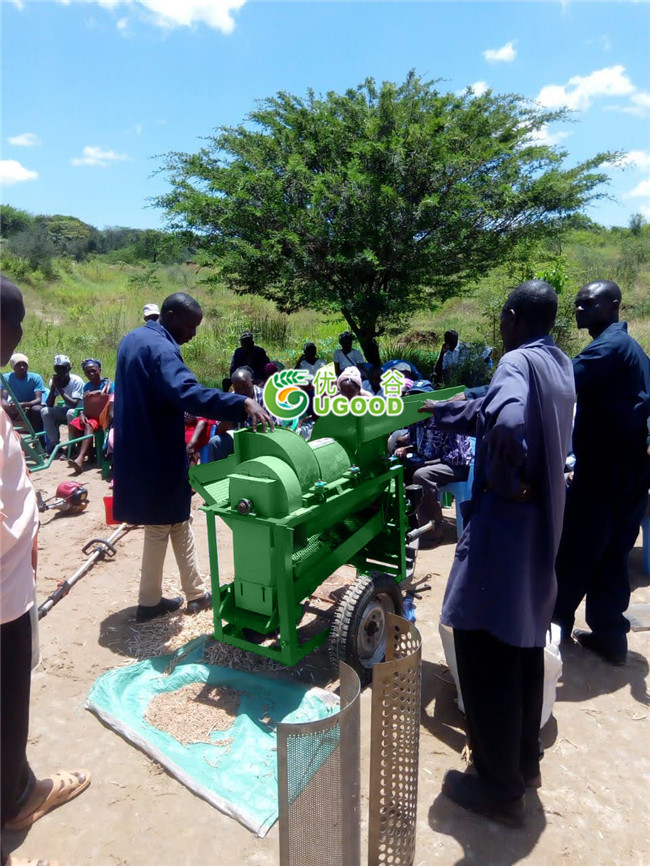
x: 62, y: 361
x: 150, y: 310
x: 18, y: 358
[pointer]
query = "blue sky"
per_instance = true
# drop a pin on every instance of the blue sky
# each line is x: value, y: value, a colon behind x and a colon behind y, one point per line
x: 93, y: 89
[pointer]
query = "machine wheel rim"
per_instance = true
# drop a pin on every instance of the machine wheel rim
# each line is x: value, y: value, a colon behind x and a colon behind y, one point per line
x: 371, y: 635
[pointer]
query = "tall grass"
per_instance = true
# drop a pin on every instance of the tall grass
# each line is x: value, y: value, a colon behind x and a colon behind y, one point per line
x: 87, y: 307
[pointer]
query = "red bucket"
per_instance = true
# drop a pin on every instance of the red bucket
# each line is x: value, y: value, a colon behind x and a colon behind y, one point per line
x: 108, y: 507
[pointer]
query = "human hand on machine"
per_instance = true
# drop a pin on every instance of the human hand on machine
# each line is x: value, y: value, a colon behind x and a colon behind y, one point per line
x: 258, y: 415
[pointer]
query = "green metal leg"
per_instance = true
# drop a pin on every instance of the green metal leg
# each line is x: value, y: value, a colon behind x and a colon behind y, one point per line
x: 213, y: 552
x: 282, y: 540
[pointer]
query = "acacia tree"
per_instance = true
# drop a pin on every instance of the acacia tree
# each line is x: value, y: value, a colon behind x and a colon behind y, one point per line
x: 375, y: 201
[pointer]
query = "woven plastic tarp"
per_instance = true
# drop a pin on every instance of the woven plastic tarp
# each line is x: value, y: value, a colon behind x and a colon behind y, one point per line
x: 238, y: 778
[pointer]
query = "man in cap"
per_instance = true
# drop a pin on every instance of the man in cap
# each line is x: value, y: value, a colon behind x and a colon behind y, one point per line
x: 607, y: 498
x: 150, y: 313
x: 25, y: 798
x: 502, y: 585
x: 251, y: 356
x: 153, y: 390
x: 67, y: 387
x: 28, y: 389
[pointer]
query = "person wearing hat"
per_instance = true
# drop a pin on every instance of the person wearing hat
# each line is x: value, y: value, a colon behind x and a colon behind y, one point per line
x: 349, y: 384
x: 150, y: 312
x: 67, y: 387
x: 251, y: 356
x: 309, y: 359
x: 28, y: 389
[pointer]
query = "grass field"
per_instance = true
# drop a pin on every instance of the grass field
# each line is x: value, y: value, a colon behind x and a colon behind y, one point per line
x: 89, y: 306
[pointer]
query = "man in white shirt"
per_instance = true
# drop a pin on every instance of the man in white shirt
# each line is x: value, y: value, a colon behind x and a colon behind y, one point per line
x: 25, y: 799
x: 68, y: 387
x: 451, y: 353
x: 346, y: 356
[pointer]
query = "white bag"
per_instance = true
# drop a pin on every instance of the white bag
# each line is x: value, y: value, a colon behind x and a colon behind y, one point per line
x: 552, y: 666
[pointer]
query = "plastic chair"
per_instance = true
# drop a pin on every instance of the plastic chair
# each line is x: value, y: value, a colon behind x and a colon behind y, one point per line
x: 461, y: 491
x: 645, y: 528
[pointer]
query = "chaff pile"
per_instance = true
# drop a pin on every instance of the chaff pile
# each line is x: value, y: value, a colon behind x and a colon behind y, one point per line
x: 169, y: 633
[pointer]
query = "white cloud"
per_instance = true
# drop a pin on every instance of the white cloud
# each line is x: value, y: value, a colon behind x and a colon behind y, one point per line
x: 172, y: 13
x: 479, y: 88
x: 543, y: 136
x: 581, y: 90
x: 25, y: 139
x: 97, y: 156
x: 636, y: 159
x: 644, y: 210
x: 641, y: 190
x: 604, y: 42
x: 505, y: 54
x: 11, y: 171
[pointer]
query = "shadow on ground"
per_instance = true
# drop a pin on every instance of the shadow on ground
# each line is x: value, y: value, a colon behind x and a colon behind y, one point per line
x: 484, y: 841
x: 585, y: 675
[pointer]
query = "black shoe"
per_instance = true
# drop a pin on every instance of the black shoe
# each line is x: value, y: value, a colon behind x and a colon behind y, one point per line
x: 589, y: 641
x: 465, y: 790
x: 145, y: 613
x: 199, y: 604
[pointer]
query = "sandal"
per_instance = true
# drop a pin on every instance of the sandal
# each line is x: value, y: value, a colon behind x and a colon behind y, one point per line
x: 72, y: 464
x: 66, y: 786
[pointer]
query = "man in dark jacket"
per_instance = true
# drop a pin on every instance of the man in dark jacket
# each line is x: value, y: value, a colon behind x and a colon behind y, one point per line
x: 502, y: 586
x: 153, y: 390
x: 607, y: 498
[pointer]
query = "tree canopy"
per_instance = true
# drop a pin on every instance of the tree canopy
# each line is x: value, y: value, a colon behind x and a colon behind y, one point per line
x: 375, y: 201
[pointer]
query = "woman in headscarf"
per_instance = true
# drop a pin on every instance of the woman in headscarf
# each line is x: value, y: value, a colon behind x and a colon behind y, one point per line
x: 349, y: 384
x: 82, y: 424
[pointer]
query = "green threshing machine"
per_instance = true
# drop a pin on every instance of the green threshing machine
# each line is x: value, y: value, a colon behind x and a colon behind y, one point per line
x: 299, y: 510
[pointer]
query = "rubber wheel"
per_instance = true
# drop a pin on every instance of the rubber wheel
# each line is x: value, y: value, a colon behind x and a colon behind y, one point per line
x: 358, y: 634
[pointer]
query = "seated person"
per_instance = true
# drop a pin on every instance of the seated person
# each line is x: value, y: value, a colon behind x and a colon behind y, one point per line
x: 197, y: 434
x: 269, y: 370
x: 346, y: 356
x: 221, y: 445
x: 82, y: 424
x: 349, y: 384
x: 250, y: 355
x: 372, y: 382
x: 28, y: 389
x: 309, y: 359
x: 67, y: 387
x: 439, y: 458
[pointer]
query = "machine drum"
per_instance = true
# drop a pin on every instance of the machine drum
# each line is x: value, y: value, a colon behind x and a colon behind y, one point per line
x: 358, y: 634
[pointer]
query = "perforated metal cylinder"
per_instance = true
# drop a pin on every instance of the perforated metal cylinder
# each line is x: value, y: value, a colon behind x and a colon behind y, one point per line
x: 394, y: 746
x: 318, y: 785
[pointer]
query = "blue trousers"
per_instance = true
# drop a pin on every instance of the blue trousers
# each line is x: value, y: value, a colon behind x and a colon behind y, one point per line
x: 220, y: 447
x: 600, y: 528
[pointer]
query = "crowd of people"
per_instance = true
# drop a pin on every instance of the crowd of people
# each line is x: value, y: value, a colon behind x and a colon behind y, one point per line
x: 538, y: 538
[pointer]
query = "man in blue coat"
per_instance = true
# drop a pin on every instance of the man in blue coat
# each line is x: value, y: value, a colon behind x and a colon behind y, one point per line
x: 607, y: 498
x: 153, y: 390
x: 502, y: 585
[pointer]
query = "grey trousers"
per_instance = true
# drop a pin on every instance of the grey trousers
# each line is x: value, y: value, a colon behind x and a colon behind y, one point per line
x: 53, y: 417
x: 432, y: 476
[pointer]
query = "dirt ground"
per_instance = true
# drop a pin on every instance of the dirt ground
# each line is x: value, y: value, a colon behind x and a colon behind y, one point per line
x: 592, y: 808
